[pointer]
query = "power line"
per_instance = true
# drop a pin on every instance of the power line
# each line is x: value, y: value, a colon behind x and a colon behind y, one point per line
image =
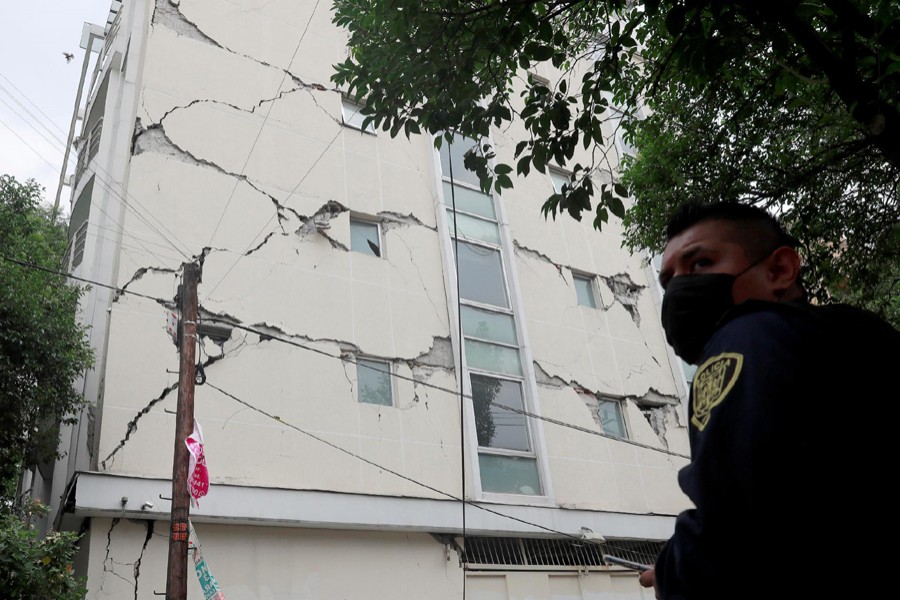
x: 381, y: 467
x: 447, y: 390
x: 261, y: 127
x: 270, y: 336
x: 105, y: 184
x: 28, y: 265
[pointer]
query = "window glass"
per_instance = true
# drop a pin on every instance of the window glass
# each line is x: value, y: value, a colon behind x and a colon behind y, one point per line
x: 481, y: 275
x: 558, y: 179
x: 352, y: 117
x: 374, y: 382
x: 611, y: 419
x: 490, y: 357
x: 499, y: 427
x: 509, y: 474
x: 469, y: 201
x: 584, y: 290
x: 456, y: 150
x: 364, y: 237
x: 474, y: 228
x: 488, y: 325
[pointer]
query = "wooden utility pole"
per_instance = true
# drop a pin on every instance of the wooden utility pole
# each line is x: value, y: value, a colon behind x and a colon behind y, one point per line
x: 176, y: 578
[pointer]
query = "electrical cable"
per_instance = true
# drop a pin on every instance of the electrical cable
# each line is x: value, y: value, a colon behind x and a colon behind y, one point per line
x: 270, y: 336
x: 164, y: 302
x: 59, y: 143
x: 284, y: 423
x: 462, y: 423
x: 262, y: 126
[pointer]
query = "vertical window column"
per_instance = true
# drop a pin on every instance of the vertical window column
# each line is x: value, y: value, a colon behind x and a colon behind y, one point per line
x: 507, y: 462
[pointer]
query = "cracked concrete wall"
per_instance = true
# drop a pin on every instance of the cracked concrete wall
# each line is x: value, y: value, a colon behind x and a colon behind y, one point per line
x: 242, y: 155
x: 271, y: 562
x: 239, y: 155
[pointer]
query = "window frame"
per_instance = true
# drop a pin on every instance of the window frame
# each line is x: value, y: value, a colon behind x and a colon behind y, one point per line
x: 361, y: 220
x: 522, y: 379
x: 551, y: 171
x: 347, y: 122
x: 591, y: 280
x: 389, y: 373
x: 620, y: 411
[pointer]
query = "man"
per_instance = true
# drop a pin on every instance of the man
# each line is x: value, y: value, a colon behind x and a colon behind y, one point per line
x: 787, y: 430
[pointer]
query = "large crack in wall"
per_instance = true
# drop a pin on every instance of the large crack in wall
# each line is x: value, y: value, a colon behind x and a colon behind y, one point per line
x: 656, y: 407
x: 110, y: 563
x: 133, y: 424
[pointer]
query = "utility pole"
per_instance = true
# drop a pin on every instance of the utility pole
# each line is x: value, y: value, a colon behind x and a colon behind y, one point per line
x: 176, y: 578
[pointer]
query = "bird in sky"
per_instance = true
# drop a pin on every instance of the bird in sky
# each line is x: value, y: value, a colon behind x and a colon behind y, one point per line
x: 69, y: 56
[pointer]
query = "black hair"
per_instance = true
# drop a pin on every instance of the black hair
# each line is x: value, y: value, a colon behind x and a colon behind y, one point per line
x: 760, y: 234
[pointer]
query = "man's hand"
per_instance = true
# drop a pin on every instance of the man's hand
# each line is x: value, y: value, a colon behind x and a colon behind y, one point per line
x: 648, y: 579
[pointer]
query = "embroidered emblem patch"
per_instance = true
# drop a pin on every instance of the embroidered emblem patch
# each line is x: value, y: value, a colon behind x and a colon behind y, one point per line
x: 712, y: 382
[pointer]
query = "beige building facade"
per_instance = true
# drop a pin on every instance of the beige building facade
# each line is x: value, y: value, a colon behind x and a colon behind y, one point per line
x: 381, y: 340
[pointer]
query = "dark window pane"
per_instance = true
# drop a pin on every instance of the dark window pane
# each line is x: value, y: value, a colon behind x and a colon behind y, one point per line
x: 499, y: 427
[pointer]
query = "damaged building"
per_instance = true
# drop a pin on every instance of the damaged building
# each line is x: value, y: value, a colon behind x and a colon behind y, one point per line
x: 412, y: 388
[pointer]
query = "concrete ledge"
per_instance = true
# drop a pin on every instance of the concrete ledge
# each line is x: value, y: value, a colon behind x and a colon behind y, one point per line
x: 101, y: 495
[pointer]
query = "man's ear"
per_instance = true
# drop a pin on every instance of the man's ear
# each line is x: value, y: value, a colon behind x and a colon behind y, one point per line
x: 783, y: 270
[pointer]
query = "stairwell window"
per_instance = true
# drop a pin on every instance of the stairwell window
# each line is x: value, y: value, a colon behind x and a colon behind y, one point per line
x: 373, y: 381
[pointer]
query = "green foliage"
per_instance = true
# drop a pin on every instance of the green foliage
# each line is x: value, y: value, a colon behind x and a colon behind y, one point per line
x: 36, y: 568
x: 42, y: 347
x: 792, y: 105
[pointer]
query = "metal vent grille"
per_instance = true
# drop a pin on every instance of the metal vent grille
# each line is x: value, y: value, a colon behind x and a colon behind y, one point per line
x: 564, y: 552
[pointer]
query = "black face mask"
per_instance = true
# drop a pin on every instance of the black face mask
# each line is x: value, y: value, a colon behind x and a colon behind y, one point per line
x: 692, y: 307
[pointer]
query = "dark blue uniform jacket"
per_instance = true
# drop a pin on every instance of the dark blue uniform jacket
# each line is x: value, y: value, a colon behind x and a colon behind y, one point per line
x: 791, y: 421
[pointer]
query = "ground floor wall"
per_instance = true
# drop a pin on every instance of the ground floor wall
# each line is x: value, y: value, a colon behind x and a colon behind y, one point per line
x: 126, y: 558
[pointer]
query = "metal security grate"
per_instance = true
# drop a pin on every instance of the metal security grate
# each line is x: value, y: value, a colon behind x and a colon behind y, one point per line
x: 549, y: 552
x: 640, y: 551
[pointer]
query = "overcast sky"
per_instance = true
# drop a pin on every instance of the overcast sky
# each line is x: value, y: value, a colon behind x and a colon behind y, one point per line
x: 38, y: 86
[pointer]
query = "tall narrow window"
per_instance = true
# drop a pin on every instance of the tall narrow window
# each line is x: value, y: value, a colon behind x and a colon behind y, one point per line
x: 506, y: 455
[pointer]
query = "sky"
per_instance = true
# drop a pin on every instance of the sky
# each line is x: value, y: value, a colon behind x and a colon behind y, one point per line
x: 38, y: 87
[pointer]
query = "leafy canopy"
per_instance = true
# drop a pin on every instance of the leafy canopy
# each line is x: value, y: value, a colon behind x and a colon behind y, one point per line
x: 42, y: 346
x: 790, y: 105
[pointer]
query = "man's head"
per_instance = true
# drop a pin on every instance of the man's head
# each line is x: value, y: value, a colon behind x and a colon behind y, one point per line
x: 717, y: 256
x: 734, y: 239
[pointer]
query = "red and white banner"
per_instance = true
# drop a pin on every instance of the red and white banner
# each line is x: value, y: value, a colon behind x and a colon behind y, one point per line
x: 198, y: 475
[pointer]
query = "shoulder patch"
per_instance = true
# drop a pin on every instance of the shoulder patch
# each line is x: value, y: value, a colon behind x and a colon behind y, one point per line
x: 712, y: 382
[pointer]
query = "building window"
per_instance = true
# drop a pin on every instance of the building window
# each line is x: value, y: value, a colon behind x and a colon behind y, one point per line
x: 584, y: 290
x: 373, y: 379
x: 506, y: 456
x: 352, y: 117
x: 558, y: 179
x: 365, y: 237
x: 612, y: 421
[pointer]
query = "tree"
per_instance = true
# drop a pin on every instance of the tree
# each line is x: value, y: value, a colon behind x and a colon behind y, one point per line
x: 42, y: 346
x: 791, y: 105
x: 32, y: 567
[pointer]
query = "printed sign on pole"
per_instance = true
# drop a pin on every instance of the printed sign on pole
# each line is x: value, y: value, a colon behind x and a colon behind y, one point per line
x: 210, y: 587
x: 198, y: 475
